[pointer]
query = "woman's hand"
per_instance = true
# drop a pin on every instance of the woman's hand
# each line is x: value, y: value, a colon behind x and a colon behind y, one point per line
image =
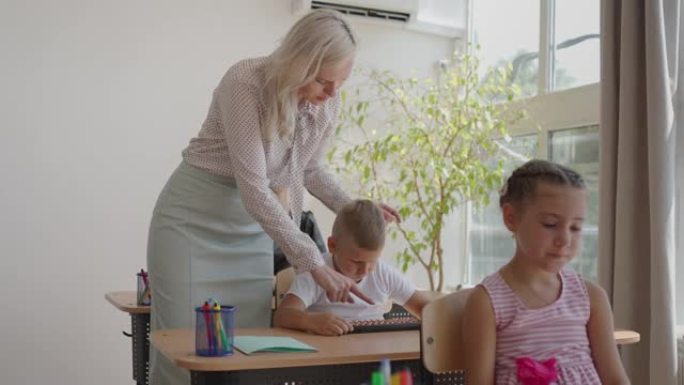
x: 337, y: 286
x: 390, y: 214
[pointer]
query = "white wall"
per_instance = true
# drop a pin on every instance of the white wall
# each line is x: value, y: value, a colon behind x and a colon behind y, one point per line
x: 97, y: 100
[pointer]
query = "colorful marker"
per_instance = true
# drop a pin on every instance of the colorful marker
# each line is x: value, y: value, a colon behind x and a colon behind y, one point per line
x: 219, y: 326
x: 205, y: 311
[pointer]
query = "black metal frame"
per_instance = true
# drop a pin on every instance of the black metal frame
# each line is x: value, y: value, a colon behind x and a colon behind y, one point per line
x: 447, y: 378
x: 347, y: 374
x: 140, y: 347
x: 397, y: 311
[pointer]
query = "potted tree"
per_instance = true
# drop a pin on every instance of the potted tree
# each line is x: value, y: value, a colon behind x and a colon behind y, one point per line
x: 426, y: 146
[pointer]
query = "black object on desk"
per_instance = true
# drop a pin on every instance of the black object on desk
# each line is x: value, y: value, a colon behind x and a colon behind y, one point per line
x: 386, y: 325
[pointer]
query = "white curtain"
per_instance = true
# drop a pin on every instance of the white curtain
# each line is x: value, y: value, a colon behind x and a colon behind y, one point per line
x: 640, y: 57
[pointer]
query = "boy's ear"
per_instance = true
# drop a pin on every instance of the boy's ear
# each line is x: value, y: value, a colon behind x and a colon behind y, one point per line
x: 332, y: 244
x: 510, y: 217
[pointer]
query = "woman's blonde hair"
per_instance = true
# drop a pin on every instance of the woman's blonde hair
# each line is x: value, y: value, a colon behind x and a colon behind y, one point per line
x: 320, y: 38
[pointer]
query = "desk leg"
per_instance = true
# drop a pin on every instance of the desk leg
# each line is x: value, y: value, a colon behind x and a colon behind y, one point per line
x: 140, y: 330
x: 348, y: 374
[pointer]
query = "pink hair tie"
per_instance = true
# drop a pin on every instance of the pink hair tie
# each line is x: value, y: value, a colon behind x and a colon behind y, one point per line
x: 532, y: 372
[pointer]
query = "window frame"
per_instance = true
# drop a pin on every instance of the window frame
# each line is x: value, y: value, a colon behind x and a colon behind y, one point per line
x: 548, y: 111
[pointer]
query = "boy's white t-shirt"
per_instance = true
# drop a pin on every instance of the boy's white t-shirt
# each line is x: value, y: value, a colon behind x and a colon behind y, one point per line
x: 383, y: 283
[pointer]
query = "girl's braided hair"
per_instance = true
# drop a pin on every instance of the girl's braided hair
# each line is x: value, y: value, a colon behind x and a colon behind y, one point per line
x: 522, y: 183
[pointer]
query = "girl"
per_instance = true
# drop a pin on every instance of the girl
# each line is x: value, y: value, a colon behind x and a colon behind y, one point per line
x: 536, y: 321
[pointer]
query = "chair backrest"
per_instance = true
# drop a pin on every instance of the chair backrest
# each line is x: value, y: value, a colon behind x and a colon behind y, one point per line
x: 441, y: 340
x: 284, y: 279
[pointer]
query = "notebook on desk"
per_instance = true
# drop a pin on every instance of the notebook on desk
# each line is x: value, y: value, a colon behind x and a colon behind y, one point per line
x: 267, y: 344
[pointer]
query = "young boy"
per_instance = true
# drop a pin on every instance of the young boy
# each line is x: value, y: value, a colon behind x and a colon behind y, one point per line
x: 357, y: 239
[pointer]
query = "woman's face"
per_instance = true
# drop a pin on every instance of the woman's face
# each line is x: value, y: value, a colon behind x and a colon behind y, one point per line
x: 328, y: 80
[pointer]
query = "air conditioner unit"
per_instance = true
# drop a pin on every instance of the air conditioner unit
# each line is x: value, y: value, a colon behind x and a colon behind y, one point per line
x: 401, y: 11
x: 441, y: 17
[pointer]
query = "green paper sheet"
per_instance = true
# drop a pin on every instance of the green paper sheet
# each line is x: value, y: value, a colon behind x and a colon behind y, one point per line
x: 255, y: 344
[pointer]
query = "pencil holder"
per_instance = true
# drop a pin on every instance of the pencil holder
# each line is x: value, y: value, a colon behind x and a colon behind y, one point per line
x: 214, y: 331
x: 144, y: 294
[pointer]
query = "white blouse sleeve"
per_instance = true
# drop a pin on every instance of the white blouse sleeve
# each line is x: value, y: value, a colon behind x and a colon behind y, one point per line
x: 239, y: 119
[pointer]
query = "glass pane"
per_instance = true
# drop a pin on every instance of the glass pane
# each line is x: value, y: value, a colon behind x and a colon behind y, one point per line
x: 575, y: 146
x: 491, y: 244
x: 578, y: 148
x: 577, y: 43
x: 508, y: 32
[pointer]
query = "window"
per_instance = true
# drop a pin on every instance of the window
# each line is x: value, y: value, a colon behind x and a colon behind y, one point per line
x: 491, y: 245
x: 560, y: 37
x: 508, y: 32
x: 558, y: 70
x: 578, y: 148
x: 577, y: 44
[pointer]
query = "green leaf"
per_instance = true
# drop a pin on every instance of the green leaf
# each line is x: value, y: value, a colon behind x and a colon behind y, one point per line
x: 425, y: 145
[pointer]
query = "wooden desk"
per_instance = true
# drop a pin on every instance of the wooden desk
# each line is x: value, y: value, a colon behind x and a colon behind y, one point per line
x: 347, y: 359
x: 140, y: 330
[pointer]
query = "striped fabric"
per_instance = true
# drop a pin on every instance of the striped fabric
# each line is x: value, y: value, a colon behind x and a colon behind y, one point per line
x: 557, y: 330
x: 230, y: 144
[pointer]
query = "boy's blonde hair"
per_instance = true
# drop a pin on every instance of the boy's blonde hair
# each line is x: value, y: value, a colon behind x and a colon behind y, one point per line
x: 363, y: 222
x: 322, y: 37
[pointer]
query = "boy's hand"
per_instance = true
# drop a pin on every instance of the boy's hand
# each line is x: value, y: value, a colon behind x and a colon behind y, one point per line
x: 327, y: 324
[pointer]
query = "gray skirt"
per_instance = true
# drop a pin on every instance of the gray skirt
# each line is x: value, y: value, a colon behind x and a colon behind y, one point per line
x: 204, y: 244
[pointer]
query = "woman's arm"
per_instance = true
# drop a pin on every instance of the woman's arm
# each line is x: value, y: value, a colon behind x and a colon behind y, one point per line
x: 239, y: 114
x: 600, y: 330
x: 238, y: 107
x: 479, y: 337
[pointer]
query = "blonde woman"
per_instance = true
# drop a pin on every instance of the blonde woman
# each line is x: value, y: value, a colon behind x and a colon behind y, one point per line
x: 215, y: 221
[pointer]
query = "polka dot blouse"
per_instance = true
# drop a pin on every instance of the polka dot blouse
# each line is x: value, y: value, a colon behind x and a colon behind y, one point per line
x: 230, y: 143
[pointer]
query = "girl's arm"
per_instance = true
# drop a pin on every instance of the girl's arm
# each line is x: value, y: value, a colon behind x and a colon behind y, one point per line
x: 479, y: 338
x: 600, y: 330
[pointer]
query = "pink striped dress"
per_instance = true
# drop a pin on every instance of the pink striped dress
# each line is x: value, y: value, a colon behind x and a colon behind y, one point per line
x: 558, y: 330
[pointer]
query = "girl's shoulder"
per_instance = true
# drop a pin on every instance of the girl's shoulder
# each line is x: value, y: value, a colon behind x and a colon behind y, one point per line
x: 479, y: 304
x: 574, y: 285
x: 495, y: 286
x: 503, y: 300
x: 595, y: 293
